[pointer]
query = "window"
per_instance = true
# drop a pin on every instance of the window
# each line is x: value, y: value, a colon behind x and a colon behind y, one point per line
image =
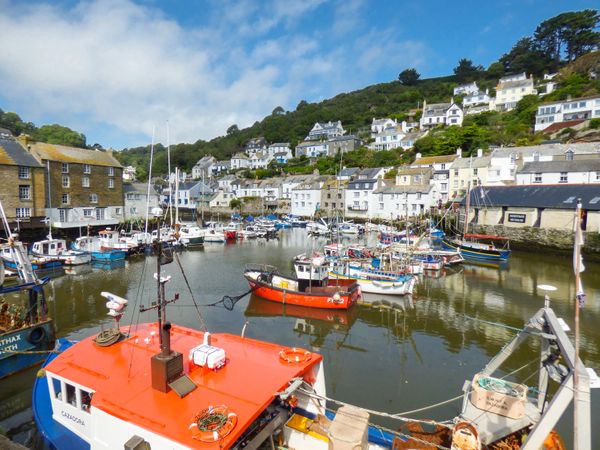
x: 23, y: 213
x: 111, y: 183
x: 24, y: 173
x: 71, y: 397
x: 65, y: 199
x: 356, y: 194
x: 475, y: 171
x: 93, y: 198
x: 87, y: 169
x: 85, y: 181
x: 455, y: 172
x: 63, y: 215
x: 133, y: 210
x: 598, y: 176
x: 381, y: 206
x: 418, y: 196
x: 537, y: 177
x: 118, y: 211
x: 100, y: 213
x: 24, y: 192
x: 563, y: 177
x: 65, y: 168
x: 87, y: 212
x: 86, y: 400
x: 66, y: 181
x: 111, y: 171
x: 444, y: 186
x: 536, y: 156
x: 569, y: 155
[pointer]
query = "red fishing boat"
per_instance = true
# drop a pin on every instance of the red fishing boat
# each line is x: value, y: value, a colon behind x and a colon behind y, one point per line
x: 311, y: 286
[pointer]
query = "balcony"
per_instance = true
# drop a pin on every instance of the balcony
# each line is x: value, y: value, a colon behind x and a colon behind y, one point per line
x: 358, y: 208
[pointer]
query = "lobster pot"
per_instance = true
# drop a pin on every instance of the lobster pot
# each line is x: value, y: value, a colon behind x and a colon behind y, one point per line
x: 498, y: 396
x: 207, y: 355
x: 349, y: 429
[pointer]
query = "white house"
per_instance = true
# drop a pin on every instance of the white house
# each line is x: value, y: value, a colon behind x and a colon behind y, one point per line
x: 312, y: 149
x: 358, y: 197
x: 388, y: 139
x: 557, y: 172
x: 240, y: 161
x: 441, y: 171
x: 566, y: 111
x: 511, y: 89
x: 137, y: 203
x: 279, y: 147
x: 204, y: 167
x: 325, y: 130
x: 390, y: 201
x: 221, y: 199
x: 306, y: 197
x: 466, y: 89
x: 255, y: 145
x: 378, y: 125
x: 290, y: 182
x: 446, y: 114
x: 225, y: 183
x: 260, y: 160
x: 188, y: 195
x: 220, y: 167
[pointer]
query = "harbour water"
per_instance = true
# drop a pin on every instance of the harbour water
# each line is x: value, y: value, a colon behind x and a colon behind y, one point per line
x: 394, y: 354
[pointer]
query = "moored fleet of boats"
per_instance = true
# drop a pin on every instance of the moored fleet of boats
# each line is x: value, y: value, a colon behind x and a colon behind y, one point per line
x: 160, y: 385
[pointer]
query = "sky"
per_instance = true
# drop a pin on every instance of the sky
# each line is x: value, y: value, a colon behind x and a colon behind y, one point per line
x: 125, y: 72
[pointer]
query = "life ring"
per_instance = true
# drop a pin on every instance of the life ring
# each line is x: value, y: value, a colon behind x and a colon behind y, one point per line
x: 37, y: 335
x: 213, y: 424
x: 295, y: 355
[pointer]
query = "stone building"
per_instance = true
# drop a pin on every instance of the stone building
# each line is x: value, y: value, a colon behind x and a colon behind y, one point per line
x: 23, y: 187
x: 83, y: 187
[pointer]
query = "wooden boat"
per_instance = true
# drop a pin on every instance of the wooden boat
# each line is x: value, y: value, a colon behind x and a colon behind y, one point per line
x: 311, y: 287
x: 26, y: 331
x: 480, y: 248
x: 57, y: 248
x: 93, y: 246
x: 375, y: 281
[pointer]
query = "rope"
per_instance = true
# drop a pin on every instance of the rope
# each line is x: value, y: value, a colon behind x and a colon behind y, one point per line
x: 200, y: 318
x: 31, y: 352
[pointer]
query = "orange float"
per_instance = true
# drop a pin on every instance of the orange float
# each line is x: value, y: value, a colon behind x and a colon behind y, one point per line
x: 295, y: 355
x: 212, y: 424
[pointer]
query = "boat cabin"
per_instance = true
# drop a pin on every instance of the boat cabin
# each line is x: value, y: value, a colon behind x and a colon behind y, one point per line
x: 49, y: 247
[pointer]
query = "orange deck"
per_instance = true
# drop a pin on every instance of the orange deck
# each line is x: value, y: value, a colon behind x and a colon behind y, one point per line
x: 246, y: 384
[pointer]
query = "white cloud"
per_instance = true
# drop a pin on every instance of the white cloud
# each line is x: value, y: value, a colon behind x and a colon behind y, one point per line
x: 118, y: 65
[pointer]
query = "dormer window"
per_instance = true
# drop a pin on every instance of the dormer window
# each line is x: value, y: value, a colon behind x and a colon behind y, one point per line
x: 569, y: 155
x: 536, y: 156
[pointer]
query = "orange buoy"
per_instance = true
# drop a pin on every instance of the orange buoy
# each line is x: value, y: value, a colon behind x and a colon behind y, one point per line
x: 295, y: 355
x: 213, y: 424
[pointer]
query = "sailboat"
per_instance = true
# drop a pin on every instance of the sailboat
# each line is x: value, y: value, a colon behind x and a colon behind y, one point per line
x: 483, y: 248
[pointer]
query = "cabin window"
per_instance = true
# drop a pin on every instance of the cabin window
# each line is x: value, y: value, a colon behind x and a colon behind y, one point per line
x: 57, y: 388
x: 71, y: 398
x: 86, y: 400
x: 300, y: 268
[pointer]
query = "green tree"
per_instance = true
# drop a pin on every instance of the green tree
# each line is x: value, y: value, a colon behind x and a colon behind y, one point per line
x: 495, y: 70
x: 570, y: 34
x: 301, y: 105
x: 278, y: 111
x: 525, y: 56
x: 235, y: 203
x: 233, y: 129
x: 57, y: 134
x: 466, y: 70
x: 409, y: 77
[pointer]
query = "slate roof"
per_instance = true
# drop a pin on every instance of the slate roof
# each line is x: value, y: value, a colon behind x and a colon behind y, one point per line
x: 62, y: 153
x: 577, y: 165
x: 411, y: 189
x: 428, y: 160
x: 348, y: 171
x: 5, y: 132
x: 240, y: 156
x: 589, y: 97
x: 140, y: 188
x: 475, y: 163
x: 548, y: 149
x: 415, y: 171
x: 553, y: 196
x: 370, y: 173
x: 355, y: 183
x: 436, y: 109
x: 13, y: 154
x: 514, y: 84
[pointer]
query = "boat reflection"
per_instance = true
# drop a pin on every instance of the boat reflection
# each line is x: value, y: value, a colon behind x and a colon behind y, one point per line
x: 109, y: 265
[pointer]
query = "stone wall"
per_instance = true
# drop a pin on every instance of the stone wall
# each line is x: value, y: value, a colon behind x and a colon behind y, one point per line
x: 529, y: 238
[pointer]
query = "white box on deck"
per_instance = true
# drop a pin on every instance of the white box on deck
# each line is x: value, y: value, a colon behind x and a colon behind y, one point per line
x: 207, y: 355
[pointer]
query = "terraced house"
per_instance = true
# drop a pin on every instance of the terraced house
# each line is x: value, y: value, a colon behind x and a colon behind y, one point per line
x: 83, y: 187
x: 22, y: 180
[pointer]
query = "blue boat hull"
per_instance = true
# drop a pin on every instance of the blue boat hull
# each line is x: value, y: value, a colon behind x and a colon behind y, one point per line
x: 478, y: 255
x: 35, y: 266
x: 113, y: 255
x: 56, y: 436
x: 16, y: 345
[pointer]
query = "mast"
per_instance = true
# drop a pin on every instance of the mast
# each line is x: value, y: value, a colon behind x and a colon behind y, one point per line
x: 149, y: 181
x: 579, y: 299
x: 169, y: 171
x: 468, y: 202
x: 176, y: 195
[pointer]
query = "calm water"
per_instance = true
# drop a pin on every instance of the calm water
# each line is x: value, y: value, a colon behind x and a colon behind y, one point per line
x: 396, y: 354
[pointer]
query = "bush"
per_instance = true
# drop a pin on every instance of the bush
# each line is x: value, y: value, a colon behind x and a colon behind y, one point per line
x: 595, y: 124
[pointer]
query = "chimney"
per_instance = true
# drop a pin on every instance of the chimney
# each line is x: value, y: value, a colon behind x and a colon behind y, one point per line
x: 479, y: 152
x: 459, y: 152
x: 418, y: 156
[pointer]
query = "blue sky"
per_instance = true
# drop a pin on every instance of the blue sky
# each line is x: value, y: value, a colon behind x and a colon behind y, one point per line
x: 119, y: 70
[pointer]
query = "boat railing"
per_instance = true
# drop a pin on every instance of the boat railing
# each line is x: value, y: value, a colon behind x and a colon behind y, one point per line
x: 257, y: 267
